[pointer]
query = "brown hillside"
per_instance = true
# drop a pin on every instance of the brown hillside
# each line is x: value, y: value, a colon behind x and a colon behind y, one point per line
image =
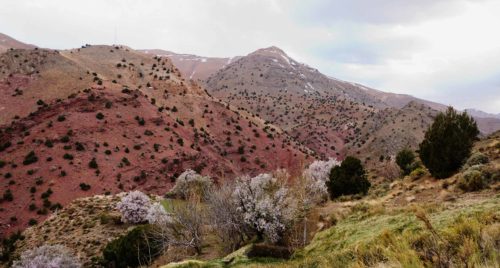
x: 142, y: 130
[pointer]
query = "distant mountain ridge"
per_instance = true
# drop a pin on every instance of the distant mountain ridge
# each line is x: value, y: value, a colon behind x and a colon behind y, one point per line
x: 7, y: 42
x: 479, y: 113
x: 204, y: 67
x: 200, y: 68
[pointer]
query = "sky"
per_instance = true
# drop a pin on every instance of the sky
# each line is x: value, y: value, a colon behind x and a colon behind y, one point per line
x: 446, y: 51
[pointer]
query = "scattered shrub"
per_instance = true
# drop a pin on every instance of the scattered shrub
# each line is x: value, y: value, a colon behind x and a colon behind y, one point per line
x: 99, y: 116
x: 61, y: 118
x: 472, y: 180
x: 93, y: 164
x: 30, y: 158
x: 417, y: 173
x: 476, y: 159
x: 7, y: 195
x: 84, y: 186
x: 49, y: 143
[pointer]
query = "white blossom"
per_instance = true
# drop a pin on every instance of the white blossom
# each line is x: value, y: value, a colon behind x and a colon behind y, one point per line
x: 134, y: 207
x: 47, y: 256
x: 316, y: 176
x: 265, y: 205
x: 157, y: 215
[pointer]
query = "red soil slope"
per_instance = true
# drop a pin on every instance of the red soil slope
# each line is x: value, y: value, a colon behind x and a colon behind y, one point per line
x: 142, y: 129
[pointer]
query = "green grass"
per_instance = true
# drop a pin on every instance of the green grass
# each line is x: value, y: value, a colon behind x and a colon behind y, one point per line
x: 168, y: 204
x: 395, y: 237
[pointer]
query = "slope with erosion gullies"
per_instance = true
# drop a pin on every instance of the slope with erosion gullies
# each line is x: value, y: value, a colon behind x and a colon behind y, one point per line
x: 140, y: 135
x: 332, y: 117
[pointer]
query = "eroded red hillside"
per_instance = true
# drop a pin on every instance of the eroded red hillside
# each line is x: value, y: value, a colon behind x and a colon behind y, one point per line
x: 117, y: 129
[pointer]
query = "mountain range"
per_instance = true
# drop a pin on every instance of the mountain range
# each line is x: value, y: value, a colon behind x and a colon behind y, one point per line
x: 104, y: 119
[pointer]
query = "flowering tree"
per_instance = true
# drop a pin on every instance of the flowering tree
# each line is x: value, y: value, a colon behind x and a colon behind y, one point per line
x: 157, y: 215
x: 47, y: 256
x: 224, y: 218
x: 315, y: 177
x: 264, y: 204
x: 134, y: 207
x: 190, y: 184
x: 182, y: 227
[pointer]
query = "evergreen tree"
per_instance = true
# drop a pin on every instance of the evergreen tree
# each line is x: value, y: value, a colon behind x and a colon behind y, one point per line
x: 348, y: 178
x: 448, y: 142
x: 405, y: 160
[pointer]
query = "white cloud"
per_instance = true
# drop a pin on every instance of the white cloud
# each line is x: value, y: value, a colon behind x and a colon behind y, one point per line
x: 443, y: 50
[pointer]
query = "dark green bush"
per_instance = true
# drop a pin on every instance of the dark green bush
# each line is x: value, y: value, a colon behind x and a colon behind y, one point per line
x: 133, y: 249
x: 5, y: 145
x: 30, y: 158
x: 7, y: 195
x: 348, y: 178
x: 79, y: 146
x: 448, y: 142
x: 406, y: 161
x: 49, y: 143
x: 99, y: 116
x: 93, y: 163
x: 84, y: 186
x: 8, y: 246
x: 269, y: 251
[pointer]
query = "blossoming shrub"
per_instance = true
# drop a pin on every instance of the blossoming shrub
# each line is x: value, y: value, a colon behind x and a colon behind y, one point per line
x: 156, y: 214
x: 265, y: 205
x: 134, y: 207
x: 223, y: 216
x: 316, y: 176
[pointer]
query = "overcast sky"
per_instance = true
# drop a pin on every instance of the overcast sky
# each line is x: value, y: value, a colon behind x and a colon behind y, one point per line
x: 442, y: 50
